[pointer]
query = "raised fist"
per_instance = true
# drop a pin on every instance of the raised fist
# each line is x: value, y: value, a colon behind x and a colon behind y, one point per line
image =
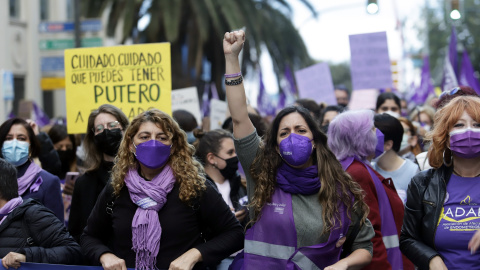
x: 233, y: 42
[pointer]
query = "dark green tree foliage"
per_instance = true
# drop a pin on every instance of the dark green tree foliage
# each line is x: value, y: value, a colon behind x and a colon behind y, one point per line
x: 200, y: 25
x: 438, y: 27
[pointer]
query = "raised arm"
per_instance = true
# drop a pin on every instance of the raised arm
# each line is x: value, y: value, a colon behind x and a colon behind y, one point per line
x: 237, y: 101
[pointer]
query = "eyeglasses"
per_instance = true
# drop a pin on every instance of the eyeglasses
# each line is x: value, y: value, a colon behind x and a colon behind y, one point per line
x: 110, y: 125
x: 450, y: 93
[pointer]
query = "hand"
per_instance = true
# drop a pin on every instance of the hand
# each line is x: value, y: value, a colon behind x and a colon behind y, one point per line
x: 187, y: 261
x: 437, y: 264
x: 240, y: 215
x: 340, y: 265
x: 233, y: 43
x: 13, y: 259
x: 112, y: 262
x: 474, y: 242
x: 34, y: 126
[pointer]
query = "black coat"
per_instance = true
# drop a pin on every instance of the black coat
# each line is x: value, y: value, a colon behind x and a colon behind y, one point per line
x: 85, y: 194
x: 181, y: 228
x: 48, y: 156
x: 425, y: 197
x: 50, y: 240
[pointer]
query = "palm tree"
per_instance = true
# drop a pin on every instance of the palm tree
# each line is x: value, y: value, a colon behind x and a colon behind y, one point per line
x: 195, y: 29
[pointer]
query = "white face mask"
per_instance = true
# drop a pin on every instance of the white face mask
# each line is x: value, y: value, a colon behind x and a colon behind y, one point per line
x: 392, y: 113
x: 404, y: 143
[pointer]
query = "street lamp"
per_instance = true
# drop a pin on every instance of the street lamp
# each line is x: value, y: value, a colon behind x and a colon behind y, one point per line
x: 372, y: 7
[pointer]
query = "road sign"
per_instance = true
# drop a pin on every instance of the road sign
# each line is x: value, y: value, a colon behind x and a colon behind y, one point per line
x: 52, y: 63
x: 62, y: 44
x: 52, y: 83
x: 93, y: 25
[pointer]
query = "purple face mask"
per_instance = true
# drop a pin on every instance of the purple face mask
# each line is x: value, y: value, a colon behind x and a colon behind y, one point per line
x: 152, y: 154
x: 380, y: 142
x: 296, y: 149
x: 465, y: 143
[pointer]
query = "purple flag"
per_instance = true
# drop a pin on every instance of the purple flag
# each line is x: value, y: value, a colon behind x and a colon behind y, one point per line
x: 452, y: 51
x: 426, y: 87
x: 39, y: 116
x: 206, y: 100
x: 288, y: 91
x: 209, y: 92
x: 264, y: 100
x: 466, y: 76
x: 449, y: 79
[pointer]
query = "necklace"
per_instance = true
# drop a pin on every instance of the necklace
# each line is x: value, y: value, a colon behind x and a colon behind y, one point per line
x: 455, y: 172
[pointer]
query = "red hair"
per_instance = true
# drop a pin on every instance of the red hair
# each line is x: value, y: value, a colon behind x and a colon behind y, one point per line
x: 444, y: 120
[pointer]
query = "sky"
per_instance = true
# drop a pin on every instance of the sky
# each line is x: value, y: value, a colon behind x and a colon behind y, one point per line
x: 327, y: 36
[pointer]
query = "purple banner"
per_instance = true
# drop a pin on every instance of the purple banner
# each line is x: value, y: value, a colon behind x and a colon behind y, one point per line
x: 315, y: 82
x: 44, y: 266
x: 370, y: 63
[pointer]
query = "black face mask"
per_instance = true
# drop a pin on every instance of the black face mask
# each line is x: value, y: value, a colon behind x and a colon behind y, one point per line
x: 109, y: 141
x: 66, y: 158
x: 230, y: 171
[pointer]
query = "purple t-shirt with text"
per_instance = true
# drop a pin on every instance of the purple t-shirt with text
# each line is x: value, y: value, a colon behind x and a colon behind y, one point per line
x: 459, y: 220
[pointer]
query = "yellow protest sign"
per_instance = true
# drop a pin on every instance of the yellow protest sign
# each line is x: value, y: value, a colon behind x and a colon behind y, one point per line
x: 133, y: 78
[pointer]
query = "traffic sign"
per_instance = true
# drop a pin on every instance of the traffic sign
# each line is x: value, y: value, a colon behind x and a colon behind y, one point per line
x: 93, y: 25
x: 52, y: 83
x: 62, y: 44
x: 52, y: 63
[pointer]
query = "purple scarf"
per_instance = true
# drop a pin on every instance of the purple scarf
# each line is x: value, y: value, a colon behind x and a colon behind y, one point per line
x: 150, y: 196
x: 298, y: 181
x: 28, y: 179
x: 9, y: 207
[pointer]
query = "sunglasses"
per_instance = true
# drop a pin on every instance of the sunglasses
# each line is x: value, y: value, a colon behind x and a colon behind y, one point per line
x: 450, y: 93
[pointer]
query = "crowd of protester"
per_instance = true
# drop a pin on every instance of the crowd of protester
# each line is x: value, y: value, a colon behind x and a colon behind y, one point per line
x: 317, y: 187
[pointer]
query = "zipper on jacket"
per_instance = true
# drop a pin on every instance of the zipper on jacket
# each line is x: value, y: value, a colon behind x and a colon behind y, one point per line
x: 430, y: 203
x: 437, y: 221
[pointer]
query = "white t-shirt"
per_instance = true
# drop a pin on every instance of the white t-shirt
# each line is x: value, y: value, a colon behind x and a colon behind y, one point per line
x: 224, y: 190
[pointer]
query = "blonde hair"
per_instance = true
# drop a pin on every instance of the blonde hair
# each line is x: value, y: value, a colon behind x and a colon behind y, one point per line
x: 187, y: 170
x: 445, y: 119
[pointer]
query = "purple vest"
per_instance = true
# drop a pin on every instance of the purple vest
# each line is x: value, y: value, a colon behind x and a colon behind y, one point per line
x: 389, y: 229
x: 271, y: 243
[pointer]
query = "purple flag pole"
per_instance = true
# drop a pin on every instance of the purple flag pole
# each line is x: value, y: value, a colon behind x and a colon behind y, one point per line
x: 452, y: 51
x: 466, y: 76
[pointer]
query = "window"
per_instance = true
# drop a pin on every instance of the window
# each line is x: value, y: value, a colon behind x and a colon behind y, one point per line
x: 14, y: 6
x: 44, y: 7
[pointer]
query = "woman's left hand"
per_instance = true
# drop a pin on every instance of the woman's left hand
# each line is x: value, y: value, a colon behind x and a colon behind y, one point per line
x: 341, y: 265
x: 13, y: 259
x: 187, y: 261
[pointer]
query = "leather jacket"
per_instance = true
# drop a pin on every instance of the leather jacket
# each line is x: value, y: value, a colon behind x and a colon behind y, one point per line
x: 425, y: 198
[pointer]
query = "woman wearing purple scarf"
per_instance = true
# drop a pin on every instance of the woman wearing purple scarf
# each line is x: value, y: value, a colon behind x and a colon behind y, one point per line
x: 302, y: 204
x: 158, y: 205
x: 19, y: 146
x: 353, y: 139
x: 442, y: 210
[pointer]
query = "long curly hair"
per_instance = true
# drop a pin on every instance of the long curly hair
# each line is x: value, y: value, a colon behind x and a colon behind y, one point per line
x: 187, y: 170
x: 444, y: 120
x: 336, y: 185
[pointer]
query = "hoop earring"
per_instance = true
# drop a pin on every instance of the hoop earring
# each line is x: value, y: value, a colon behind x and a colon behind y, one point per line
x: 451, y: 159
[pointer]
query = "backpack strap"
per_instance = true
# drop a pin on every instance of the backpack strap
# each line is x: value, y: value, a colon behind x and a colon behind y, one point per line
x: 347, y: 246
